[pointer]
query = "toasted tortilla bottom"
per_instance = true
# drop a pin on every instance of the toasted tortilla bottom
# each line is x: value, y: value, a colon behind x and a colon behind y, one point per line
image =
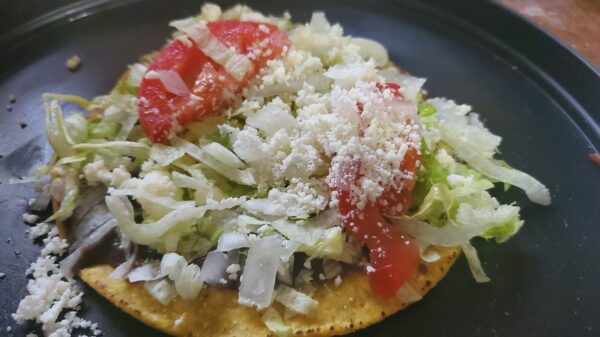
x: 216, y: 312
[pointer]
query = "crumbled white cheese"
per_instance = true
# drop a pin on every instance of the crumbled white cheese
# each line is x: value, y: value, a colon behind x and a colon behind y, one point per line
x: 119, y: 175
x: 50, y: 294
x: 233, y: 270
x: 53, y: 244
x: 307, y: 264
x: 96, y: 173
x: 158, y: 184
x: 38, y: 230
x: 30, y: 218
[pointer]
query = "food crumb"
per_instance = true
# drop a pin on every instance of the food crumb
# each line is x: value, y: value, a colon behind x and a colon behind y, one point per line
x: 2, y: 275
x: 30, y: 218
x: 23, y: 125
x: 9, y: 107
x: 73, y: 63
x: 8, y: 328
x: 337, y: 281
x: 179, y: 320
x: 12, y: 98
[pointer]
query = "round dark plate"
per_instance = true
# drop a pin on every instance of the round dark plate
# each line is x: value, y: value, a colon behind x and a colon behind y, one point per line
x: 530, y: 89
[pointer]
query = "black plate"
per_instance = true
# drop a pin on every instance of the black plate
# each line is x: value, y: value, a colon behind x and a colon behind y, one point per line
x: 535, y: 92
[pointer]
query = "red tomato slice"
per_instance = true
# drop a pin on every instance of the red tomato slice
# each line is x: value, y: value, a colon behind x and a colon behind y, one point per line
x: 212, y: 89
x: 394, y: 201
x: 394, y: 256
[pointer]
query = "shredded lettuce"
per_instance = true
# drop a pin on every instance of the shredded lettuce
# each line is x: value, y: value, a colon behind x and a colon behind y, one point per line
x: 102, y: 130
x: 474, y: 263
x: 126, y: 148
x: 56, y: 131
x: 82, y: 102
x: 243, y: 177
x: 67, y: 204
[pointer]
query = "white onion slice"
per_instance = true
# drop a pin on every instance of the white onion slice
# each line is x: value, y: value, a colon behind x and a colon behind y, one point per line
x: 124, y: 268
x: 232, y: 240
x: 295, y: 300
x: 222, y: 154
x: 171, y: 80
x: 213, y: 268
x: 161, y: 289
x: 408, y: 294
x: 236, y: 64
x: 258, y: 280
x: 67, y: 266
x: 146, y: 272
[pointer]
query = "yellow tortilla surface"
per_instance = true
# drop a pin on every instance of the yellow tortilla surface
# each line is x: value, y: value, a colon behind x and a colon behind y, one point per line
x: 216, y: 313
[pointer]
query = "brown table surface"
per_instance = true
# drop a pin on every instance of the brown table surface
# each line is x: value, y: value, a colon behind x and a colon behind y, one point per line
x: 576, y: 22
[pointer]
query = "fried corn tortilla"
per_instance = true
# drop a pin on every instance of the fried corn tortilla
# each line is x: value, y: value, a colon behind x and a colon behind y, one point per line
x: 216, y: 313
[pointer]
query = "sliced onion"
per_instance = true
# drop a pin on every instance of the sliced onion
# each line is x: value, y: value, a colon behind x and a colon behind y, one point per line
x: 146, y: 272
x: 408, y: 294
x: 162, y: 201
x: 295, y: 300
x: 86, y: 202
x: 258, y: 280
x: 286, y: 268
x: 171, y: 80
x: 124, y: 268
x: 95, y: 218
x: 243, y: 177
x: 161, y: 289
x: 189, y: 283
x: 222, y: 154
x: 236, y: 64
x: 164, y: 154
x: 213, y: 268
x: 171, y: 265
x: 232, y: 240
x: 68, y: 266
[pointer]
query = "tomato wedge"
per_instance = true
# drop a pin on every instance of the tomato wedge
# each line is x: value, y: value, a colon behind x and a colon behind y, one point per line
x: 211, y: 87
x: 394, y: 256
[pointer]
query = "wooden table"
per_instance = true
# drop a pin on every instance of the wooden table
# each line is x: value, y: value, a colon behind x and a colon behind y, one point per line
x: 576, y: 22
